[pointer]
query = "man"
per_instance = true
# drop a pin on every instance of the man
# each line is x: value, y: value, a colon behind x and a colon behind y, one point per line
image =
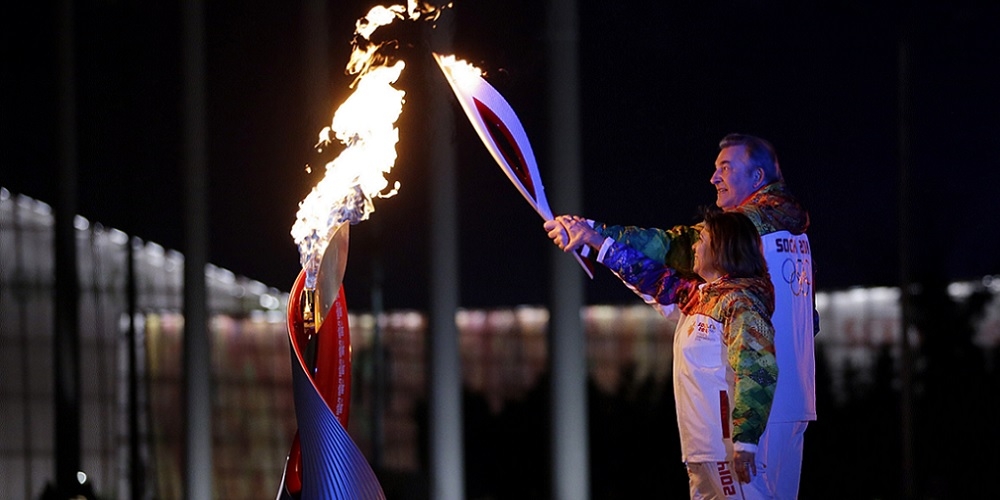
x: 748, y: 179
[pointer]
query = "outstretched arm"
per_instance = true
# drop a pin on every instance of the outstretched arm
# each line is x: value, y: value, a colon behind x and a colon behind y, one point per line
x: 657, y: 284
x: 671, y: 246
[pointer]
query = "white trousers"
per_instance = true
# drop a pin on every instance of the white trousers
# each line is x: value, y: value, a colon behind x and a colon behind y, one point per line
x: 779, y: 462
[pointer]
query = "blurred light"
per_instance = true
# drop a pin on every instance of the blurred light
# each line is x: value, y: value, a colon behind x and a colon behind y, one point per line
x: 531, y: 318
x: 501, y: 319
x: 81, y: 223
x: 883, y: 294
x: 363, y: 322
x: 155, y: 254
x: 960, y: 290
x: 268, y: 301
x: 822, y: 300
x: 471, y: 320
x: 255, y: 287
x: 174, y: 260
x: 858, y: 295
x: 33, y: 205
x: 117, y: 237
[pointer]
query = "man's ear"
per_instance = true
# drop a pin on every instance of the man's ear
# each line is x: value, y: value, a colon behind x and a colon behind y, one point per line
x: 759, y: 177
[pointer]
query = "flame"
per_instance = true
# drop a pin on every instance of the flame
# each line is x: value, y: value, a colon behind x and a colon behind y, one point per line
x: 365, y: 125
x: 463, y: 73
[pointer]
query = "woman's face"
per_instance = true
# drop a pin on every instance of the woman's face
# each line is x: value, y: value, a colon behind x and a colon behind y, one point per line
x: 704, y: 260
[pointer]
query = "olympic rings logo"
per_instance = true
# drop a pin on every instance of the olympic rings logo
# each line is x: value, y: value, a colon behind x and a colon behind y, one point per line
x: 796, y: 274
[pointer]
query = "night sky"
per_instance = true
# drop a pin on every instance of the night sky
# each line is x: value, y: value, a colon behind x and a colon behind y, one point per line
x: 662, y: 82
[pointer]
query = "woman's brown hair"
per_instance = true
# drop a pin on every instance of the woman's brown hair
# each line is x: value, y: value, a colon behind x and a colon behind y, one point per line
x: 735, y: 244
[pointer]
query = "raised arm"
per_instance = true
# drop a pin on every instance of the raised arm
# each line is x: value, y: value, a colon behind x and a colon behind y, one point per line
x: 671, y: 247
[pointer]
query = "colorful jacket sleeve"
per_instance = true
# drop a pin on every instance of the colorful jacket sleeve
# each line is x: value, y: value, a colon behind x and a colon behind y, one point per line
x: 650, y: 279
x: 671, y: 247
x: 750, y: 339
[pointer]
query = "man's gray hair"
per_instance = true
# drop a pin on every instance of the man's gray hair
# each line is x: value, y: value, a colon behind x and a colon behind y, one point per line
x: 760, y: 154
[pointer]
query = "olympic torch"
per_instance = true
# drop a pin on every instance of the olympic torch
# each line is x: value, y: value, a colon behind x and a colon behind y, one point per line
x: 502, y: 133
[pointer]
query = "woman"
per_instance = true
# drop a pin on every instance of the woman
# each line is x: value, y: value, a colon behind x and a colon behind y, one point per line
x: 724, y: 368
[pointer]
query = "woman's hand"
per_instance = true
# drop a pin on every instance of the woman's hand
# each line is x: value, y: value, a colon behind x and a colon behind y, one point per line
x: 557, y: 233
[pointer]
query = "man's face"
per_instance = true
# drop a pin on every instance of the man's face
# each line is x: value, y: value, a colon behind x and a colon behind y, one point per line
x: 734, y: 179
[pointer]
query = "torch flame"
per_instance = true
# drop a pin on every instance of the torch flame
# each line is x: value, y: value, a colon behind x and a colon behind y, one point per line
x: 462, y: 72
x: 365, y: 125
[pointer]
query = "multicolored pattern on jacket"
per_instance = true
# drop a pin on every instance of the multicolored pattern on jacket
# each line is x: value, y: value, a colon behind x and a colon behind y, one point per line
x: 772, y: 208
x: 743, y: 306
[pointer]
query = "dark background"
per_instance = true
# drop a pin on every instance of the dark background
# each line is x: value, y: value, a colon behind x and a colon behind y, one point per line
x: 661, y: 83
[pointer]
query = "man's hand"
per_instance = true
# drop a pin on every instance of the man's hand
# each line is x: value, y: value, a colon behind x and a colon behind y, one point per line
x: 745, y: 464
x: 571, y: 232
x: 580, y: 233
